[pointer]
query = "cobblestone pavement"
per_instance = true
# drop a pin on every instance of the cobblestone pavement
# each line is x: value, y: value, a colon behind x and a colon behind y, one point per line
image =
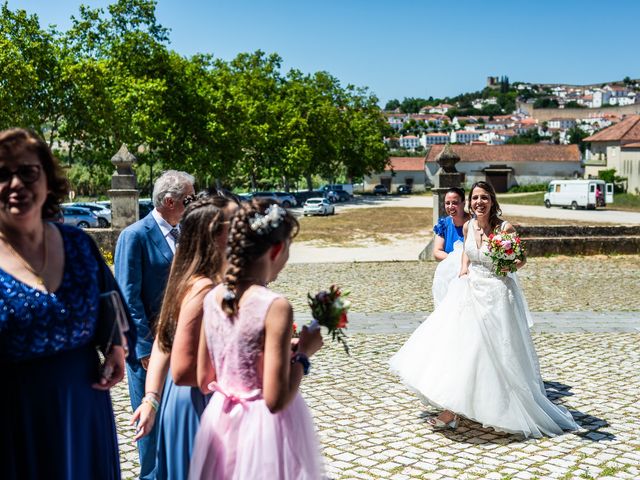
x: 372, y: 427
x: 597, y: 283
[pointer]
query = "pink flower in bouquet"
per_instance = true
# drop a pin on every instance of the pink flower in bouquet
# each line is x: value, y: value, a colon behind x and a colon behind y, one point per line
x: 505, y: 249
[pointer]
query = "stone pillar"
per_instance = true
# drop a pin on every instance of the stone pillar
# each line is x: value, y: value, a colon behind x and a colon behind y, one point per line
x: 124, y: 193
x: 446, y: 177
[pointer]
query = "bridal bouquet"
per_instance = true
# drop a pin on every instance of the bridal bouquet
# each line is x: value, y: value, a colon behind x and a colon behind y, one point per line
x: 504, y: 249
x: 329, y: 309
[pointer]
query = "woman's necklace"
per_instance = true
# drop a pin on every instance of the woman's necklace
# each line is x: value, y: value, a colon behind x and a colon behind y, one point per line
x: 36, y: 273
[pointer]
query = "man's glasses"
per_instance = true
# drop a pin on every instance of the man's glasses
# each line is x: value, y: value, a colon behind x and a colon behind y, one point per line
x: 27, y: 173
x: 188, y: 199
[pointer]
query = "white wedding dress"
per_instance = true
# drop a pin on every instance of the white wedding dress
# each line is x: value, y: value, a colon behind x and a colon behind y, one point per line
x: 446, y: 272
x: 474, y: 355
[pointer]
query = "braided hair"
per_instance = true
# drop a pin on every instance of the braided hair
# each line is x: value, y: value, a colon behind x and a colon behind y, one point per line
x: 197, y: 256
x: 249, y: 240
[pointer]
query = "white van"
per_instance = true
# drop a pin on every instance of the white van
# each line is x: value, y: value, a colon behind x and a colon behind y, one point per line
x: 589, y: 194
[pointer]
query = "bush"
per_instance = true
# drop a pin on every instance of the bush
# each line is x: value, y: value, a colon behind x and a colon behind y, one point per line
x: 534, y: 187
x: 609, y: 176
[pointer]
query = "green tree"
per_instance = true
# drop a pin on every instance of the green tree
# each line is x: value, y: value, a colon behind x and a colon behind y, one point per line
x: 29, y: 73
x: 391, y: 105
x: 575, y: 135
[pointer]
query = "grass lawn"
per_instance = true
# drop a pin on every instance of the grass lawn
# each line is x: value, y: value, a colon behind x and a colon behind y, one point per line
x: 358, y: 226
x: 621, y: 201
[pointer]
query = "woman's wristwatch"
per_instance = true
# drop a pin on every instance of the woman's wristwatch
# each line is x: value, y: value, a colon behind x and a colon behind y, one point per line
x: 304, y: 361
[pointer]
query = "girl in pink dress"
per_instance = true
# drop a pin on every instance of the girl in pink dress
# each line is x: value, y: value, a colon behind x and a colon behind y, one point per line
x: 256, y: 426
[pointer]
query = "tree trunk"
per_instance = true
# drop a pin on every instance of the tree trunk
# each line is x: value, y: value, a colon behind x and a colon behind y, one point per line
x: 309, y: 182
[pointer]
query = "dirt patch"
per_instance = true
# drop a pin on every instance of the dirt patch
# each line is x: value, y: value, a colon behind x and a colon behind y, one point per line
x: 362, y: 227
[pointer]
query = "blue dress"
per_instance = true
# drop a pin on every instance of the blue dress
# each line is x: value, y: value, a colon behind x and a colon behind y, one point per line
x: 54, y: 425
x: 446, y: 229
x: 178, y: 422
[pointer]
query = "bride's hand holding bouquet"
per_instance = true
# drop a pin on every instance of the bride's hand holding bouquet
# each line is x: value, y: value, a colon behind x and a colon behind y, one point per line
x: 507, y: 252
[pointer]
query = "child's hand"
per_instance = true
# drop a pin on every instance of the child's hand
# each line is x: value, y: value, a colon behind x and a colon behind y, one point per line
x: 310, y: 341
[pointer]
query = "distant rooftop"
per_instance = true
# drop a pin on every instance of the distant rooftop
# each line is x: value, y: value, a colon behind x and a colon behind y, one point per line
x: 511, y: 153
x: 627, y: 131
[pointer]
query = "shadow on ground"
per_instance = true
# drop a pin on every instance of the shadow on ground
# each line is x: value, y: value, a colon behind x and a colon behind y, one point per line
x: 469, y: 431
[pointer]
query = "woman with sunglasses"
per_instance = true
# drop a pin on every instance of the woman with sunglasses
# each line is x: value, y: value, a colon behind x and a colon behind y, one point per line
x: 56, y: 414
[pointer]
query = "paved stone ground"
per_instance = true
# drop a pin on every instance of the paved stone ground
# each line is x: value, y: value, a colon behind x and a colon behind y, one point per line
x: 372, y: 427
x: 596, y: 283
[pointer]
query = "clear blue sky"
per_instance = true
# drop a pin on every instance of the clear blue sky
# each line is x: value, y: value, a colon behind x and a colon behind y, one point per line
x: 414, y: 48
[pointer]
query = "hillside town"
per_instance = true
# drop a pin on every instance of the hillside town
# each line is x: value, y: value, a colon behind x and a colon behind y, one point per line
x: 555, y: 131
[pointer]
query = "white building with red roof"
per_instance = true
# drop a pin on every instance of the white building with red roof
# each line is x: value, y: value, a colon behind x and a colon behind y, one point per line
x: 616, y: 147
x: 400, y: 171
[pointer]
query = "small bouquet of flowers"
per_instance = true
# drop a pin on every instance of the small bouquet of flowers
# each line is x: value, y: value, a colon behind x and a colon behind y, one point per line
x: 504, y: 249
x: 329, y: 309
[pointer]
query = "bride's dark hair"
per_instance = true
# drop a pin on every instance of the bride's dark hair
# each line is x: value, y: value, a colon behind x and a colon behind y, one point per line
x: 495, y: 211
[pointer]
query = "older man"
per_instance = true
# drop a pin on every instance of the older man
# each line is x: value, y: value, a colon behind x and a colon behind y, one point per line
x: 142, y: 261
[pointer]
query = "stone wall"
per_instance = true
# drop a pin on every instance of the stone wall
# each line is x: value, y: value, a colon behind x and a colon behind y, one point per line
x: 546, y: 114
x: 105, y: 238
x: 580, y: 240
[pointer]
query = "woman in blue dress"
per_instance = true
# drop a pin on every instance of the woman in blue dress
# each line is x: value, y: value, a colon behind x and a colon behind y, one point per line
x: 197, y: 268
x: 55, y: 409
x: 447, y: 242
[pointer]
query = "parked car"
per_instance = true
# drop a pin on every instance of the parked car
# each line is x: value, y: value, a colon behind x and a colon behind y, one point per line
x: 337, y: 187
x: 318, y: 206
x: 145, y: 206
x: 380, y: 190
x: 103, y: 213
x: 79, y: 217
x: 286, y: 199
x: 331, y: 196
x: 342, y: 195
x: 404, y: 189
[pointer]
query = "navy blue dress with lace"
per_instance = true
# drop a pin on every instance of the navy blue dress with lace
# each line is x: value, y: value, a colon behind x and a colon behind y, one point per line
x: 54, y: 424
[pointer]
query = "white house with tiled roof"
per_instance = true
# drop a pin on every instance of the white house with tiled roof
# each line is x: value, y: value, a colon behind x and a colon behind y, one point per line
x: 616, y: 147
x: 465, y: 136
x: 507, y: 165
x: 434, y: 139
x: 410, y: 142
x: 400, y: 171
x: 442, y: 108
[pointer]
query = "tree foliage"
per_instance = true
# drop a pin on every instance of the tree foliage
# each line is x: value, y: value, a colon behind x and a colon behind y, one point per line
x: 112, y: 79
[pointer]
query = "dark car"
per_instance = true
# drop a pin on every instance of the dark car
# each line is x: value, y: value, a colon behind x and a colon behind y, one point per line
x: 404, y: 189
x: 144, y: 208
x: 380, y: 190
x: 343, y: 195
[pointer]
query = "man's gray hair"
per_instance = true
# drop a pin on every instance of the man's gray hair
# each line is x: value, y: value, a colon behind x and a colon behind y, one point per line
x: 171, y: 183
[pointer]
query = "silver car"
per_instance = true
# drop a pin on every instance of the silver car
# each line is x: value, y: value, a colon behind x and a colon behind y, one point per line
x: 102, y: 212
x: 79, y: 217
x: 318, y: 206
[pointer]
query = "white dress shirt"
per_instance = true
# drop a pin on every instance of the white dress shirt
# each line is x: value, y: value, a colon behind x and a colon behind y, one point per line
x: 165, y: 228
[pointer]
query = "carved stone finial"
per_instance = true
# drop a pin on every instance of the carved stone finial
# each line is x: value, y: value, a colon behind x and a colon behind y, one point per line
x: 123, y: 158
x: 447, y: 159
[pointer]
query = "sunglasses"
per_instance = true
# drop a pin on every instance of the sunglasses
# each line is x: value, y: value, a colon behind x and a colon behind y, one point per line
x: 26, y: 173
x: 188, y: 199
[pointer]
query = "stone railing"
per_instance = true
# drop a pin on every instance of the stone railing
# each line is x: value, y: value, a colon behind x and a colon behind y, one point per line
x: 543, y: 240
x: 580, y: 240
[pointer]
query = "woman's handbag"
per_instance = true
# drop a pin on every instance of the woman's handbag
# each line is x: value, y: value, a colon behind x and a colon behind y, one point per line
x: 114, y: 324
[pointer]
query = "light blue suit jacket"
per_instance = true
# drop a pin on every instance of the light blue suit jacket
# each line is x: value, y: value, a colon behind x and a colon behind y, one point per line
x: 142, y: 262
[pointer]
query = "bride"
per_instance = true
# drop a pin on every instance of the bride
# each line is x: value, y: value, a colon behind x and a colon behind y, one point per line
x: 473, y: 356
